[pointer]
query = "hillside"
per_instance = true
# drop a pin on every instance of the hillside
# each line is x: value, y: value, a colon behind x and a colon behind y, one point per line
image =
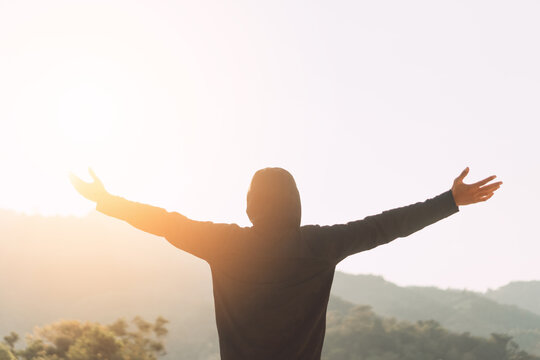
x: 525, y: 294
x: 361, y: 334
x: 456, y: 310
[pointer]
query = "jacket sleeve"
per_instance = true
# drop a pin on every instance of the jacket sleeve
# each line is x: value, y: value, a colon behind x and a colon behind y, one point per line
x: 203, y: 239
x: 336, y: 242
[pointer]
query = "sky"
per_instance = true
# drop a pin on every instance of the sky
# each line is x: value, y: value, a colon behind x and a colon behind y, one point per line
x: 370, y: 105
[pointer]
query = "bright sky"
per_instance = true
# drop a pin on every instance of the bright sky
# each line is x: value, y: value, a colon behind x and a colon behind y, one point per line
x: 369, y: 104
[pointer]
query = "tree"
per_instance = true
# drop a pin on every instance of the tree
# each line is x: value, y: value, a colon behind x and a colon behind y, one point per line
x: 360, y: 334
x: 75, y: 340
x: 5, y: 353
x: 11, y: 339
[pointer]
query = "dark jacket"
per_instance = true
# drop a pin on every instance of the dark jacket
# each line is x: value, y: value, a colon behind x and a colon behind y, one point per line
x: 272, y: 281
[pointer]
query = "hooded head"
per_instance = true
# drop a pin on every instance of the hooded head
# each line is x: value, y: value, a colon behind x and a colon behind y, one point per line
x: 273, y: 199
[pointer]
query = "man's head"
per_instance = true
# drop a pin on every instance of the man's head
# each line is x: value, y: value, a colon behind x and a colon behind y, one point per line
x: 273, y: 199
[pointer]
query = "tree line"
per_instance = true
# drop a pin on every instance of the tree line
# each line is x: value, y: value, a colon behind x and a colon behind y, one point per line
x: 359, y: 334
x: 353, y: 333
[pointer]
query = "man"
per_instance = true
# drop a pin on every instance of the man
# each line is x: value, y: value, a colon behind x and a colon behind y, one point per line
x: 272, y: 281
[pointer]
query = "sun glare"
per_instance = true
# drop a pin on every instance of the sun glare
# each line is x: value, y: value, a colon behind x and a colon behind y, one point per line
x: 86, y: 118
x: 72, y: 124
x: 86, y: 115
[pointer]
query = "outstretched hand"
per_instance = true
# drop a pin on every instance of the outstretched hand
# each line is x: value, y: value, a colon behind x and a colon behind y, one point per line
x: 93, y: 191
x: 465, y: 194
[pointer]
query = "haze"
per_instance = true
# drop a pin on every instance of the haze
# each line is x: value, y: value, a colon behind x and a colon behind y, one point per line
x: 370, y: 105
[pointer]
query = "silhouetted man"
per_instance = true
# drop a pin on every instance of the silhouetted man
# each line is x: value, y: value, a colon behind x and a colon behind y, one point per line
x: 272, y: 280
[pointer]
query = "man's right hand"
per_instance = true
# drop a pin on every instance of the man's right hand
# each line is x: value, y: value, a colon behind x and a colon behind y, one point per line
x: 465, y: 194
x: 94, y: 191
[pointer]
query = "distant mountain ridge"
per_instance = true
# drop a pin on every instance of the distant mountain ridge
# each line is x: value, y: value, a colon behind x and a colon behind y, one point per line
x: 525, y: 294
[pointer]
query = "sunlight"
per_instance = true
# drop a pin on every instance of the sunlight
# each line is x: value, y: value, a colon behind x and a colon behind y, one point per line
x: 73, y: 123
x: 86, y: 115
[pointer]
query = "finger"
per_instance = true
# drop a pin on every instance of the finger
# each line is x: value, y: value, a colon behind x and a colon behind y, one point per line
x: 74, y: 179
x: 93, y: 175
x: 77, y: 183
x: 481, y: 196
x: 484, y: 198
x: 463, y: 174
x: 490, y: 187
x: 485, y: 181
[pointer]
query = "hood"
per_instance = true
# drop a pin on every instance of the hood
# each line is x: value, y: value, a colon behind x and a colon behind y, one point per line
x: 273, y: 199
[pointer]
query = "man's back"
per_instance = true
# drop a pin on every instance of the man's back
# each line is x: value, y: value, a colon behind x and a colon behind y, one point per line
x: 270, y: 301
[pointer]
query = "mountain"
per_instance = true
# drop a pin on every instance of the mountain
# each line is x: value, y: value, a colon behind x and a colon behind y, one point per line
x: 525, y: 294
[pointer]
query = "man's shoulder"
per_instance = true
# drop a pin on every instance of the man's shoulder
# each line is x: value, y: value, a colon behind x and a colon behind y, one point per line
x: 315, y: 235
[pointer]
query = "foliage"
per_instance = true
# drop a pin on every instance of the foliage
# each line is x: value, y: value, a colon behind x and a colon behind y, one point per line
x: 6, y: 353
x: 75, y: 340
x: 353, y: 333
x: 360, y: 334
x: 456, y: 310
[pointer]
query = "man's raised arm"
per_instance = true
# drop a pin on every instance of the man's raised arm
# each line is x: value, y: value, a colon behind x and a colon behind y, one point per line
x: 151, y: 219
x: 343, y: 240
x: 200, y: 238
